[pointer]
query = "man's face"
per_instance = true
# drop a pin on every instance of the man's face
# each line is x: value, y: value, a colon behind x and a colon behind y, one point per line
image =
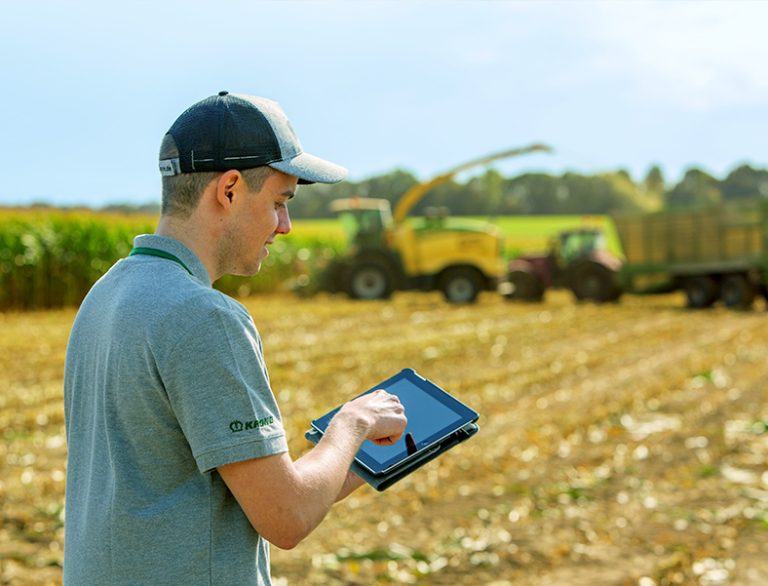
x: 259, y: 217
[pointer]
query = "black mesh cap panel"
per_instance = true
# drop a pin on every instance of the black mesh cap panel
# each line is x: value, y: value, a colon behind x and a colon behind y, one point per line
x: 222, y: 133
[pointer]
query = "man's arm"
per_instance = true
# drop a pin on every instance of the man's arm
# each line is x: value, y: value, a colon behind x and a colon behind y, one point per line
x: 285, y: 500
x: 351, y: 484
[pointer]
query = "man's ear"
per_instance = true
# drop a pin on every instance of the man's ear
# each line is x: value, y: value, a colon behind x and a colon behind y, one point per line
x: 227, y: 187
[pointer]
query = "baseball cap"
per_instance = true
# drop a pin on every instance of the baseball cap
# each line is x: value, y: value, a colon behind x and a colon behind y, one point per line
x: 239, y: 131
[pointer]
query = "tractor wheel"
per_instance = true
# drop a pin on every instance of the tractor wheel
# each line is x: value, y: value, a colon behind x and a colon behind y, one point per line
x: 702, y: 292
x: 737, y: 292
x: 525, y: 286
x: 593, y: 282
x: 460, y: 285
x: 369, y: 281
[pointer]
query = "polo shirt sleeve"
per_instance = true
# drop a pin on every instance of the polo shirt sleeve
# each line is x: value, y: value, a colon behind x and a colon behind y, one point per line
x: 218, y: 388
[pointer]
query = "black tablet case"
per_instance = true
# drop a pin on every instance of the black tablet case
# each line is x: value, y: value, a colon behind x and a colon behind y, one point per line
x: 384, y: 481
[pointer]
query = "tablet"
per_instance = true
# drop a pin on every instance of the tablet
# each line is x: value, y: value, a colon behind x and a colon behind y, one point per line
x: 436, y: 422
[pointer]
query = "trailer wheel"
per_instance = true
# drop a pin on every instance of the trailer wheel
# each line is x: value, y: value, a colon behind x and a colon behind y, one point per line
x: 525, y: 286
x: 460, y: 285
x: 737, y: 292
x: 702, y: 292
x: 593, y: 282
x: 369, y: 281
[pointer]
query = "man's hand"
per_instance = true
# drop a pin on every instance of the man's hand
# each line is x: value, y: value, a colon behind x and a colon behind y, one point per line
x: 380, y: 414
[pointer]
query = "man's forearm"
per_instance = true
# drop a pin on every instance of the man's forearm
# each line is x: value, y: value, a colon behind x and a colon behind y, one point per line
x: 325, y: 469
x: 351, y: 484
x: 286, y: 500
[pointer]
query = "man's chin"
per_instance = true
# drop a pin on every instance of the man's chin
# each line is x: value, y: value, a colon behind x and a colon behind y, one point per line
x: 254, y: 271
x: 249, y: 271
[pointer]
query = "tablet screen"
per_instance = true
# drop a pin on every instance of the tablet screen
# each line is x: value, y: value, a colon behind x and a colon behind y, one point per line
x: 426, y: 417
x: 432, y: 415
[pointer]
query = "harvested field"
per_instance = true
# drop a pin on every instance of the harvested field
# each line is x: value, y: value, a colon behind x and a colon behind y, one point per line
x: 620, y: 445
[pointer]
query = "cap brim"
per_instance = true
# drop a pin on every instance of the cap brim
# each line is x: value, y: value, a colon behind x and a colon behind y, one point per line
x: 311, y: 169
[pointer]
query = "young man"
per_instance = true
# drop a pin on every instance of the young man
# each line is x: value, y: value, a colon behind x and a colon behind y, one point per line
x: 178, y: 470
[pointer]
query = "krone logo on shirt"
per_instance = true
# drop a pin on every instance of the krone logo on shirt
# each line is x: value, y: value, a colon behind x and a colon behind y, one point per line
x: 237, y: 425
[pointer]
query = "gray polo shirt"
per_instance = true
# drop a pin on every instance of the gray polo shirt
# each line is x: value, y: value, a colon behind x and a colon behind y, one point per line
x: 164, y: 381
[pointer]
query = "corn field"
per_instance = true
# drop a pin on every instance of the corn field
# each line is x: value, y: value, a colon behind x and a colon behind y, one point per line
x: 51, y: 259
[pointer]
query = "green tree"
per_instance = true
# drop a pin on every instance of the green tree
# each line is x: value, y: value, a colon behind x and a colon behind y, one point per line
x: 391, y: 186
x: 697, y: 188
x: 745, y: 182
x: 536, y: 193
x: 654, y: 180
x: 487, y: 191
x: 598, y: 194
x: 451, y: 195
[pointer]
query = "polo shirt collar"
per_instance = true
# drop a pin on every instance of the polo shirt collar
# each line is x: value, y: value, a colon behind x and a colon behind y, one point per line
x: 176, y: 248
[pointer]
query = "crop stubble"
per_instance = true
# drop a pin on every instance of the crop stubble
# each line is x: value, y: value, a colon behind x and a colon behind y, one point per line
x: 619, y: 444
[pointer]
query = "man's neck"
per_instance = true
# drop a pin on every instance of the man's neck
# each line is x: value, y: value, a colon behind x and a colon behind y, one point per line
x: 187, y: 232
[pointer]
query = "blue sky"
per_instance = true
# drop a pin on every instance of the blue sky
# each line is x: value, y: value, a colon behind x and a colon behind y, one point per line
x: 90, y: 87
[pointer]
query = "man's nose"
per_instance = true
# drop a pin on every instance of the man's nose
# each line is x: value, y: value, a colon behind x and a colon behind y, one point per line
x: 284, y: 222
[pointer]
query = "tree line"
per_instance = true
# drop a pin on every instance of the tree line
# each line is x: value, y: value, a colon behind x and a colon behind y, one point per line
x: 492, y: 194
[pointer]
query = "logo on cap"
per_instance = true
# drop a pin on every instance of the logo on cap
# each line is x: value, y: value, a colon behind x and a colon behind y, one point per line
x: 169, y: 167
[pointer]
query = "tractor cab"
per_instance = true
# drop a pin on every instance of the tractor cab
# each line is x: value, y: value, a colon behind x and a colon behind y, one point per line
x: 366, y: 221
x: 580, y: 243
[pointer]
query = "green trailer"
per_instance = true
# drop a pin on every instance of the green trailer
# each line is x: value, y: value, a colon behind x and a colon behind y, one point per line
x: 713, y: 254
